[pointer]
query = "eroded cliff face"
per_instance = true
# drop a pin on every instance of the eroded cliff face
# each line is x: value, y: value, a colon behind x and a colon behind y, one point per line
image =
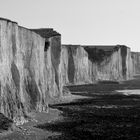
x: 74, y: 65
x: 113, y: 64
x: 106, y: 66
x: 52, y: 60
x: 29, y: 73
x: 35, y: 67
x: 89, y: 64
x: 136, y: 62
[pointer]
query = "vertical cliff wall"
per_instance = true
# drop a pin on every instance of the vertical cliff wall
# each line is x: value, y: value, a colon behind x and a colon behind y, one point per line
x: 74, y: 65
x: 105, y: 64
x: 53, y: 50
x: 89, y: 64
x: 29, y: 70
x: 129, y: 65
x: 109, y: 62
x: 35, y: 67
x: 136, y: 62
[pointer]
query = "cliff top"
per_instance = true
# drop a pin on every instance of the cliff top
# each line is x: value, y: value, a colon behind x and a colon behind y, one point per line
x: 43, y: 32
x: 8, y: 20
x: 135, y: 52
x: 103, y: 47
x: 100, y: 47
x: 70, y: 45
x: 46, y: 32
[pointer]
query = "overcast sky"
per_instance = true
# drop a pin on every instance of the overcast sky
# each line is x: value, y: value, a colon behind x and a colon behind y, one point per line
x: 87, y: 22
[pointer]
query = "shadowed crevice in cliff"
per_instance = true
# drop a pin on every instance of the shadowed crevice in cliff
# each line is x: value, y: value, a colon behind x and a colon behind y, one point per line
x: 124, y: 54
x: 33, y: 92
x: 15, y: 75
x: 12, y: 103
x: 5, y: 123
x: 9, y: 103
x: 97, y: 54
x: 14, y: 44
x: 55, y: 57
x: 47, y: 44
x: 71, y: 66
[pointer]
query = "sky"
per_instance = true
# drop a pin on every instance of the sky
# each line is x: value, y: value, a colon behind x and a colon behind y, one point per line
x: 85, y: 22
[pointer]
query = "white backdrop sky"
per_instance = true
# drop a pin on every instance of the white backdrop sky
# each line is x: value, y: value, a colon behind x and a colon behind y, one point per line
x: 87, y: 22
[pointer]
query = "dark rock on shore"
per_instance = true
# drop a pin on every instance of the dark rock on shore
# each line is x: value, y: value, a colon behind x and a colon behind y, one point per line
x: 5, y: 123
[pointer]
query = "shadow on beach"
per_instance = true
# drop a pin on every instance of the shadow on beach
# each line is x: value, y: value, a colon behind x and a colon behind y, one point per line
x: 106, y: 114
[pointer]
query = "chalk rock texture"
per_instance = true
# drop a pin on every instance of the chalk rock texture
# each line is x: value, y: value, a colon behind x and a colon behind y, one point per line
x: 52, y: 52
x: 34, y: 67
x: 89, y: 64
x: 136, y: 62
x: 29, y: 70
x: 109, y: 62
x: 74, y: 65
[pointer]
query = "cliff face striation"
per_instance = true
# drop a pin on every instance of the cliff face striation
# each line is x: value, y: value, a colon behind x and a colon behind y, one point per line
x: 29, y: 69
x: 74, y: 65
x: 109, y: 62
x: 35, y: 67
x: 89, y: 64
x: 136, y: 62
x: 52, y: 53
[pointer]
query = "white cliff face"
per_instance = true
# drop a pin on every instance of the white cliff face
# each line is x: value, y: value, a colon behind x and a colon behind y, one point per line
x: 52, y: 62
x: 129, y: 65
x: 64, y: 65
x: 30, y: 63
x: 11, y: 101
x: 52, y: 52
x: 27, y: 74
x: 117, y: 66
x: 109, y: 69
x: 34, y: 68
x: 80, y: 65
x: 74, y: 65
x: 136, y: 62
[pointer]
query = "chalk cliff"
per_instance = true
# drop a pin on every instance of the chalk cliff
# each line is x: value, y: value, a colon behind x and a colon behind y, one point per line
x: 29, y: 70
x: 52, y: 53
x: 35, y: 67
x: 74, y: 65
x: 109, y: 62
x: 136, y: 62
x: 89, y: 64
